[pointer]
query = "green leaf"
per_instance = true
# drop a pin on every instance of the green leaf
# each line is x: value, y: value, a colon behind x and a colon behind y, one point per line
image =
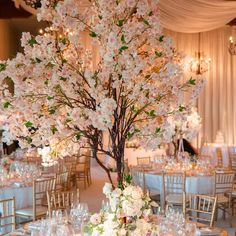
x: 100, y: 17
x: 50, y: 98
x: 128, y: 178
x: 93, y: 34
x: 130, y: 135
x: 46, y: 82
x: 120, y: 23
x: 78, y: 136
x: 63, y: 78
x: 64, y: 61
x: 51, y: 111
x: 161, y: 38
x: 54, y: 130
x: 28, y: 124
x: 8, y: 79
x: 158, y: 54
x: 124, y: 47
x: 29, y: 140
x: 64, y: 41
x: 145, y: 22
x: 122, y: 38
x: 158, y: 130
x: 32, y: 41
x: 120, y: 184
x: 192, y: 81
x: 2, y: 67
x: 181, y: 108
x: 6, y: 104
x: 68, y: 120
x: 151, y: 113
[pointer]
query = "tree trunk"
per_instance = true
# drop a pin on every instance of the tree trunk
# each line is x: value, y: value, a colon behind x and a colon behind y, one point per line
x: 120, y: 161
x: 94, y: 154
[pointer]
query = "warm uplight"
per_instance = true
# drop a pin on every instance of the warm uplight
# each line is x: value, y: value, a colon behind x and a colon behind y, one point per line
x: 232, y: 46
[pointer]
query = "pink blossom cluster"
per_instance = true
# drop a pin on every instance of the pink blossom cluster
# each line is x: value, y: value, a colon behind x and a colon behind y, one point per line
x: 61, y: 98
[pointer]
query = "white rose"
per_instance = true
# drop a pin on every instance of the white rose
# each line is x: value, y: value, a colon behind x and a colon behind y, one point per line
x: 107, y: 189
x: 95, y: 219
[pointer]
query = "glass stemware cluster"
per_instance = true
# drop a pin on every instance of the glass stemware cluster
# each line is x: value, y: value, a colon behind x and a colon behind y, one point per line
x: 63, y: 222
x: 174, y: 224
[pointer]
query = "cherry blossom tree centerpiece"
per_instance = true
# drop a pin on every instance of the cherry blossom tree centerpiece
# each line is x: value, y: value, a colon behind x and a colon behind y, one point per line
x: 63, y: 100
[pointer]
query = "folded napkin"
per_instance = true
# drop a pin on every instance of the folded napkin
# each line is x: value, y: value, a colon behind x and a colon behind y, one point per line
x: 18, y: 184
x: 207, y: 232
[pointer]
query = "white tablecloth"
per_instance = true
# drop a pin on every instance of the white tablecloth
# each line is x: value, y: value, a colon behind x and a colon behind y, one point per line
x: 210, y: 149
x: 194, y: 184
x: 132, y: 153
x: 23, y: 197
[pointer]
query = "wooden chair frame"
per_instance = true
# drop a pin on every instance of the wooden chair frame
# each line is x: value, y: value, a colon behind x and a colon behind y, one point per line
x: 223, y: 185
x: 85, y: 173
x: 62, y: 180
x: 8, y: 211
x: 40, y: 188
x: 143, y: 161
x: 200, y: 208
x: 219, y: 157
x: 173, y: 184
x: 61, y: 199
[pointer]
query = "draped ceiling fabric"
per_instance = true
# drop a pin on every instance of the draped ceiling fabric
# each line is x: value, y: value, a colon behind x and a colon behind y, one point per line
x: 192, y: 16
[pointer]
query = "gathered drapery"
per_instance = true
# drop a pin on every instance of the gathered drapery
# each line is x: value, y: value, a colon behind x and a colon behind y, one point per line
x: 217, y: 102
x: 191, y: 16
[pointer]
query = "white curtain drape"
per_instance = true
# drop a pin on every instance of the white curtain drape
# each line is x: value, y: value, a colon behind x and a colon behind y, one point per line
x: 191, y: 16
x: 217, y: 102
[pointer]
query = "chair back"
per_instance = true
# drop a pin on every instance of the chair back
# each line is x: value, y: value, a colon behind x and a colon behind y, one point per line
x: 141, y: 161
x: 40, y: 188
x: 223, y: 182
x: 232, y: 159
x: 173, y: 183
x: 200, y: 208
x: 219, y: 157
x: 7, y: 215
x: 62, y: 179
x: 83, y: 163
x: 61, y: 200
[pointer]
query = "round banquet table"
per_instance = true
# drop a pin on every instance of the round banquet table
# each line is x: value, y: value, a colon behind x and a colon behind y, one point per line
x: 132, y: 153
x: 210, y: 150
x: 23, y: 197
x: 194, y: 184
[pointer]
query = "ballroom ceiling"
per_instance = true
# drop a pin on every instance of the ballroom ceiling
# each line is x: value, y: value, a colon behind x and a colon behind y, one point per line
x: 8, y: 10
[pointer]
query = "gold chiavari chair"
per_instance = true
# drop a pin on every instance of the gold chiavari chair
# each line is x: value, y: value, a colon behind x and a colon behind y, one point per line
x: 219, y: 157
x: 61, y: 200
x: 173, y: 189
x: 38, y: 210
x: 7, y: 216
x: 200, y: 208
x: 233, y: 199
x: 232, y: 159
x: 83, y: 172
x: 143, y: 161
x: 223, y: 190
x: 62, y: 180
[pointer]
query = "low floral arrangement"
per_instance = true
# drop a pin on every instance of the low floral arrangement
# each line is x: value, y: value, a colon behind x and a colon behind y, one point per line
x: 128, y: 214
